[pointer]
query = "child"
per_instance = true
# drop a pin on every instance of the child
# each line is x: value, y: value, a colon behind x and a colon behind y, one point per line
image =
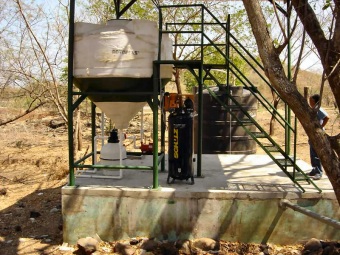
x: 323, y: 118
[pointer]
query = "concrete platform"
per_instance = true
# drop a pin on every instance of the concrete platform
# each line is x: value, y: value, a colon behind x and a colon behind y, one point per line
x: 237, y: 199
x: 219, y: 172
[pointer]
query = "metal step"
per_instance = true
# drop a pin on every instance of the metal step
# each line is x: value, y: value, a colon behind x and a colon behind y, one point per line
x: 260, y: 134
x: 271, y: 148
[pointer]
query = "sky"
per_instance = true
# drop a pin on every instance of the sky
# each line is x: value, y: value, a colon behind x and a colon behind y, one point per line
x: 312, y: 63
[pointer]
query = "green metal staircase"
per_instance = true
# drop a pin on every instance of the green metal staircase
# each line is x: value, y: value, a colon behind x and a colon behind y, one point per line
x: 204, y: 71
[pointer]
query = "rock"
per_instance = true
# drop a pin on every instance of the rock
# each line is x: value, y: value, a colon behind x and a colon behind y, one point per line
x: 206, y: 244
x: 134, y: 241
x: 17, y: 228
x: 330, y: 248
x: 3, y: 191
x: 34, y: 214
x: 313, y: 245
x: 144, y: 252
x: 54, y: 210
x: 65, y: 247
x: 21, y: 205
x: 87, y: 245
x: 149, y: 245
x: 265, y: 249
x: 56, y: 123
x: 124, y: 249
x: 184, y: 246
x: 169, y: 249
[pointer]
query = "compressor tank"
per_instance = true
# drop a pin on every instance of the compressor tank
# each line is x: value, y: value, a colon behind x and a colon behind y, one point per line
x: 180, y: 153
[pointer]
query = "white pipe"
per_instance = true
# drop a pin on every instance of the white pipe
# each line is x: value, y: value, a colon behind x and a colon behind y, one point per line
x: 102, y: 127
x: 133, y: 137
x: 99, y: 176
x: 142, y: 125
x: 120, y: 133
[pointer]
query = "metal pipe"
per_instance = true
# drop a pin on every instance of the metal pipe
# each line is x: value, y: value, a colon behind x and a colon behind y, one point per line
x: 142, y: 126
x: 100, y: 176
x: 70, y: 93
x: 102, y: 127
x: 156, y: 80
x: 200, y: 105
x: 289, y: 74
x: 133, y: 138
x: 93, y: 129
x: 286, y: 203
x: 121, y: 137
x: 116, y: 167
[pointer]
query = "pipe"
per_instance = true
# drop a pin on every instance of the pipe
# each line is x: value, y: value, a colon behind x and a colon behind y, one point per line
x: 100, y: 176
x: 133, y: 138
x: 142, y: 125
x: 286, y: 203
x: 102, y: 124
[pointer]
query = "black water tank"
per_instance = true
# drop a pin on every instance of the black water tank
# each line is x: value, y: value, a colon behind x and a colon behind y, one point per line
x: 221, y: 132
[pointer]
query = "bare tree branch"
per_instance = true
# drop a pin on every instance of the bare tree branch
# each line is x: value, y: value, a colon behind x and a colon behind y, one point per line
x: 29, y: 110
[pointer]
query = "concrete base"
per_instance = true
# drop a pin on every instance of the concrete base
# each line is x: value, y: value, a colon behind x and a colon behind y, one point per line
x: 238, y: 199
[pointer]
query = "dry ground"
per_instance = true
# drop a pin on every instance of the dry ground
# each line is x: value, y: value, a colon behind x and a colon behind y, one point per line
x: 33, y: 168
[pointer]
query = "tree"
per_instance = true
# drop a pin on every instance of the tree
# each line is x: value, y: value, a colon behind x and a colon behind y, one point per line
x: 328, y: 49
x: 33, y: 48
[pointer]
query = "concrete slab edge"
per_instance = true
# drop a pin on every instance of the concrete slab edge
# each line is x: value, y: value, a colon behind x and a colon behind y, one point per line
x: 173, y: 193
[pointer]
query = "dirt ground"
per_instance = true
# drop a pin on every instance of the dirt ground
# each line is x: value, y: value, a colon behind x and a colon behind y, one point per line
x: 34, y: 167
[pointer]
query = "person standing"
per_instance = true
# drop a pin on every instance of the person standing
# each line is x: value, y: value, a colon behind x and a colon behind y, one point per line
x: 323, y: 118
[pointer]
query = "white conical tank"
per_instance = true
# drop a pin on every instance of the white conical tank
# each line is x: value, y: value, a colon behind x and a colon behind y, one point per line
x: 116, y: 60
x: 120, y: 48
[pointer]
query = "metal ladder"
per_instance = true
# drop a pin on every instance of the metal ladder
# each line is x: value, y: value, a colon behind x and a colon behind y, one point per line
x: 203, y: 71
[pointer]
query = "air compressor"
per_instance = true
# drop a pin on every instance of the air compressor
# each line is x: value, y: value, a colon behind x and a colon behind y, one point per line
x: 180, y: 150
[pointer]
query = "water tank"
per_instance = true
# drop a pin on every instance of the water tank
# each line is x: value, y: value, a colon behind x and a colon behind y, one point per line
x: 118, y: 57
x: 113, y: 62
x: 221, y: 132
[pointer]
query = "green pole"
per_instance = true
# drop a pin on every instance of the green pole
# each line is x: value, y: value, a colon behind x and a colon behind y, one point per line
x: 155, y: 124
x: 163, y: 116
x: 228, y: 50
x: 70, y: 93
x: 289, y: 74
x: 200, y: 105
x: 93, y: 129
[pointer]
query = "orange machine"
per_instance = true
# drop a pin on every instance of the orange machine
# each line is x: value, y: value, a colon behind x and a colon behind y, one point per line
x: 174, y: 100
